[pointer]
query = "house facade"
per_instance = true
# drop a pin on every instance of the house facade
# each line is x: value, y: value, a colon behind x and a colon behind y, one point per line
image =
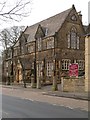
x: 87, y: 63
x: 47, y: 48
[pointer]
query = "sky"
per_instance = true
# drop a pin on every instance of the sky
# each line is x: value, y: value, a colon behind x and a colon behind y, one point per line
x: 42, y: 9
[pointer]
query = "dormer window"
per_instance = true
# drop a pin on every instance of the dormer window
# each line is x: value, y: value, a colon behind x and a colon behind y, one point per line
x: 46, y: 31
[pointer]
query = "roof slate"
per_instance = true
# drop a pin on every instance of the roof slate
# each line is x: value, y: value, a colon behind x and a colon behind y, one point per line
x: 53, y: 24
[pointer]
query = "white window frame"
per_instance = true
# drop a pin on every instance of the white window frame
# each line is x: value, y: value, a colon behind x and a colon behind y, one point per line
x: 68, y: 37
x: 39, y: 69
x: 78, y: 42
x: 81, y: 64
x: 15, y: 52
x: 39, y: 44
x: 7, y: 64
x: 30, y: 48
x: 22, y: 49
x: 65, y: 64
x: 50, y: 67
x: 50, y: 43
x: 73, y: 39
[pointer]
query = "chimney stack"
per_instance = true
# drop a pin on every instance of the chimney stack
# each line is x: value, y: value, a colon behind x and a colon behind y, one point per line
x: 80, y: 15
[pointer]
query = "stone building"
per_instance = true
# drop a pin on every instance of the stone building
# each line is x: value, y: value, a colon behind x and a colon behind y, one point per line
x: 87, y: 62
x: 46, y: 49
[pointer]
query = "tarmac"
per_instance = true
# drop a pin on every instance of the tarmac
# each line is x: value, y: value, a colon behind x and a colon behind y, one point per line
x: 46, y: 90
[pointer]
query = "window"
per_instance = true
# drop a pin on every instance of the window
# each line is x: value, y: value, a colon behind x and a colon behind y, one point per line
x: 81, y: 64
x: 22, y: 49
x: 7, y: 73
x: 65, y: 64
x: 30, y: 48
x: 46, y: 32
x: 73, y: 18
x: 39, y: 44
x: 33, y: 65
x: 77, y: 42
x: 68, y: 40
x: 39, y: 68
x: 9, y: 53
x: 50, y: 43
x: 49, y: 68
x: 6, y: 64
x: 15, y: 52
x: 73, y: 39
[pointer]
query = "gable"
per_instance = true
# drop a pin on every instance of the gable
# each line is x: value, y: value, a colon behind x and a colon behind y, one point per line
x: 40, y: 32
x: 16, y: 44
x: 52, y: 24
x: 74, y: 17
x: 88, y: 29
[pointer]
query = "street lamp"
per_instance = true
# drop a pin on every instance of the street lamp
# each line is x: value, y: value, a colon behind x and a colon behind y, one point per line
x: 54, y: 87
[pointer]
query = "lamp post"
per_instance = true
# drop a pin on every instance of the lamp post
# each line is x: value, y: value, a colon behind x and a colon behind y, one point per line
x: 54, y: 87
x: 34, y: 72
x: 24, y: 52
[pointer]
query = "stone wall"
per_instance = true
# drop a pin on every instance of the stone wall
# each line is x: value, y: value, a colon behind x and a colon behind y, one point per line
x: 73, y: 84
x: 0, y: 73
x: 87, y: 63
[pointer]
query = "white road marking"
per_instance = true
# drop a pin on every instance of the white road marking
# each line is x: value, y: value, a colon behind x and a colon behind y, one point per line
x: 54, y: 104
x: 5, y: 112
x: 69, y: 107
x: 31, y: 99
x: 27, y: 99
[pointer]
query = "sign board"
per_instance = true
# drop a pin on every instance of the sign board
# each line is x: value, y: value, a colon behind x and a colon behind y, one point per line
x: 73, y: 70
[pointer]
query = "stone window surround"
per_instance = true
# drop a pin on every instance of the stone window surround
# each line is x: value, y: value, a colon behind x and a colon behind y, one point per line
x: 39, y: 68
x: 50, y: 67
x: 39, y: 44
x: 30, y: 48
x: 73, y: 39
x: 50, y: 43
x: 81, y: 64
x: 65, y: 64
x: 7, y: 64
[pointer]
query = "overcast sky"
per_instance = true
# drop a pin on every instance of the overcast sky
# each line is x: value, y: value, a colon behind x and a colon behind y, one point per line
x: 42, y: 9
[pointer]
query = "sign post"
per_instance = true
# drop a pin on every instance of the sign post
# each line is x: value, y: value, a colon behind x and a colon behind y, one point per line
x: 73, y: 70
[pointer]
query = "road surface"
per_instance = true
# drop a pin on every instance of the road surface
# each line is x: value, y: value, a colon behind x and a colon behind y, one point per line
x: 15, y: 107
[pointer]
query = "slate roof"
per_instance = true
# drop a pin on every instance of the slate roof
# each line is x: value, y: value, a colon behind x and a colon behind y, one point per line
x: 85, y: 27
x: 88, y: 29
x: 53, y: 24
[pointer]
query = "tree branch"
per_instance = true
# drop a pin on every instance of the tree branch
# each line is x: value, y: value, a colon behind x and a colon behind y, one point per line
x: 16, y: 11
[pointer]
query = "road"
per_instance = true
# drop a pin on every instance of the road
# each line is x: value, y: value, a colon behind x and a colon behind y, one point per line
x: 16, y: 107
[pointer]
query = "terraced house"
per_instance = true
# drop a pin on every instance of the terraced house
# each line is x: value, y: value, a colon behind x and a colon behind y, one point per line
x: 45, y: 49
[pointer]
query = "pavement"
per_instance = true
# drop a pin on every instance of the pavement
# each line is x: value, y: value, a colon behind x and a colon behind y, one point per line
x: 47, y: 90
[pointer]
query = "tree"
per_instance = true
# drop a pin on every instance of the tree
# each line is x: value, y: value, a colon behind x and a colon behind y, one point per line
x: 14, y: 10
x: 9, y: 36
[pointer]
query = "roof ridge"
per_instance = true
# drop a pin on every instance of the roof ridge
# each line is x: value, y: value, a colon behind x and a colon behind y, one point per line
x: 50, y: 17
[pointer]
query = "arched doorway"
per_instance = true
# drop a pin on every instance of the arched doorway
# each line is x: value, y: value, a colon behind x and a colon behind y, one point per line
x: 19, y: 73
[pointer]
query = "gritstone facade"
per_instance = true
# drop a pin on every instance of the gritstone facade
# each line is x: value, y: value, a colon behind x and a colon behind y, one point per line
x: 45, y: 49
